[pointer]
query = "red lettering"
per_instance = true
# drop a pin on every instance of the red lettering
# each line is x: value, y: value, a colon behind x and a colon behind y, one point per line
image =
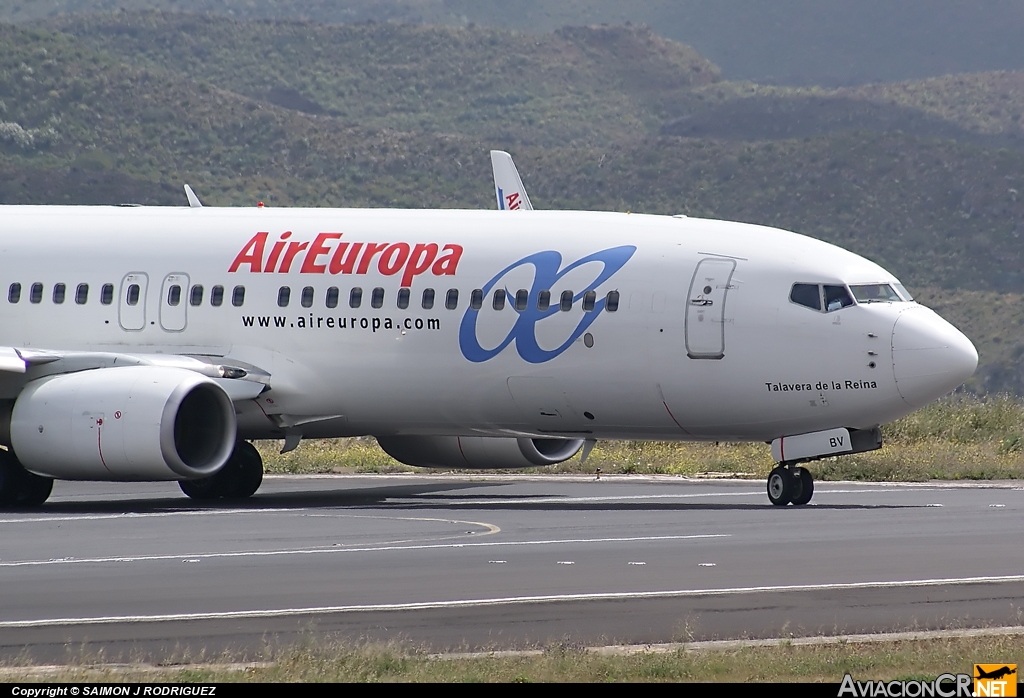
x: 293, y: 249
x: 309, y: 265
x: 420, y: 260
x: 347, y: 258
x: 513, y: 201
x: 275, y: 252
x: 371, y: 249
x: 393, y: 259
x: 338, y: 266
x: 446, y: 263
x: 251, y: 254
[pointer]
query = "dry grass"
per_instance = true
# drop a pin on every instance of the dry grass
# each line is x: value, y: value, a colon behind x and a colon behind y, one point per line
x: 783, y: 662
x: 955, y: 439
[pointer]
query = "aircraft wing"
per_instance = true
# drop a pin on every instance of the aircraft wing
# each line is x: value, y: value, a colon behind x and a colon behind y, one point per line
x: 240, y: 380
x: 508, y: 186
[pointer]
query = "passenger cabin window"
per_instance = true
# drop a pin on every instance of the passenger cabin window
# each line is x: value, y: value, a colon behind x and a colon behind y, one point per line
x: 498, y: 303
x: 565, y: 305
x: 107, y: 294
x: 428, y: 299
x: 451, y: 299
x: 35, y: 293
x: 355, y: 298
x: 238, y: 296
x: 377, y: 298
x: 589, y: 301
x: 174, y: 295
x: 522, y: 298
x: 132, y: 296
x: 196, y: 296
x: 217, y: 296
x: 307, y: 297
x: 836, y: 297
x: 332, y: 297
x: 284, y: 296
x: 403, y: 298
x: 59, y: 292
x: 875, y: 293
x: 82, y: 294
x: 543, y: 300
x: 14, y: 293
x: 476, y: 299
x: 807, y: 295
x: 611, y: 301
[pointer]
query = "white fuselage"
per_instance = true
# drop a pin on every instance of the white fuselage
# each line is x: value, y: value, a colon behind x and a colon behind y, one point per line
x: 705, y: 342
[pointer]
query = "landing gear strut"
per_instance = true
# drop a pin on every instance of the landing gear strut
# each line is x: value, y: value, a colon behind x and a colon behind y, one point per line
x: 240, y: 477
x: 19, y: 487
x: 788, y: 483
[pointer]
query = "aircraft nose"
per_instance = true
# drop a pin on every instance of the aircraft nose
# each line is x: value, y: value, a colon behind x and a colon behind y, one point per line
x: 930, y: 357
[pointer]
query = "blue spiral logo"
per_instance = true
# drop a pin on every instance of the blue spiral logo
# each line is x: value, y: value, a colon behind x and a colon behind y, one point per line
x: 547, y: 272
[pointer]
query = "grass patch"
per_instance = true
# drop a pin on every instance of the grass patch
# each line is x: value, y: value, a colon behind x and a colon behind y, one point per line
x: 784, y: 662
x: 958, y: 438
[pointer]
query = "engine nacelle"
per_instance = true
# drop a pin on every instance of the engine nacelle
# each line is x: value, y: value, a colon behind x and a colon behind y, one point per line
x: 478, y: 452
x: 130, y: 423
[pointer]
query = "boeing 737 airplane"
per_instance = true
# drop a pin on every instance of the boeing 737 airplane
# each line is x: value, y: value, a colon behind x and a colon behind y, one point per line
x: 143, y: 343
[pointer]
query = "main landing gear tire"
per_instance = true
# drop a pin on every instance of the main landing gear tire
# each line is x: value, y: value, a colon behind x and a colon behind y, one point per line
x: 790, y: 485
x: 19, y: 487
x: 240, y: 477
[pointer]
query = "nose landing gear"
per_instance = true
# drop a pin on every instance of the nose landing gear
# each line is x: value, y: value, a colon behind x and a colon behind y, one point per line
x: 790, y: 484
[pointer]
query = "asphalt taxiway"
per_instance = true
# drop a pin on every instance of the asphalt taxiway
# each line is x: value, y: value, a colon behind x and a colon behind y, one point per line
x: 137, y: 571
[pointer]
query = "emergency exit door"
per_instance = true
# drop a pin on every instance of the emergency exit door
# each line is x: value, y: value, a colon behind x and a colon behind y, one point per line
x: 173, y: 305
x: 131, y: 309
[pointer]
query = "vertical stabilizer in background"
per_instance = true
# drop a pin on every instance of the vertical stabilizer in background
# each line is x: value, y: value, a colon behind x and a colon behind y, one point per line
x: 508, y: 187
x: 193, y: 200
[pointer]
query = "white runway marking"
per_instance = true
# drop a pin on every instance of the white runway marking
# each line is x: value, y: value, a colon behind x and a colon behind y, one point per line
x: 336, y: 551
x: 501, y: 601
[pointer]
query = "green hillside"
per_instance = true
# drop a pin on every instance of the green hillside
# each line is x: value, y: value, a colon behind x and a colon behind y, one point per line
x: 577, y: 84
x: 793, y: 42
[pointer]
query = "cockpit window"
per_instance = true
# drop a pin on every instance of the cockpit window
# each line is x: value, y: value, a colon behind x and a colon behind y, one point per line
x: 904, y: 293
x: 875, y: 293
x: 836, y: 297
x: 807, y: 295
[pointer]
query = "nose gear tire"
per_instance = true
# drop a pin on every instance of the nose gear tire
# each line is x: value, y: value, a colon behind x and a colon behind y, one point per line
x: 804, y: 489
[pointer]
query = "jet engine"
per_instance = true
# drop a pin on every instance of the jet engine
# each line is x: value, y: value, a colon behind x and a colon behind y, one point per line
x: 125, y: 423
x: 478, y: 451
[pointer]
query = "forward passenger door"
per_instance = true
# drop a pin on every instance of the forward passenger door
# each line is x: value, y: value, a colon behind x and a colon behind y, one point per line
x: 705, y: 308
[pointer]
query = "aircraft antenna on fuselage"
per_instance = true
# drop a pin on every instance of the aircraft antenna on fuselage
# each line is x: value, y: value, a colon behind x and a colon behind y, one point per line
x: 508, y: 185
x: 193, y: 200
